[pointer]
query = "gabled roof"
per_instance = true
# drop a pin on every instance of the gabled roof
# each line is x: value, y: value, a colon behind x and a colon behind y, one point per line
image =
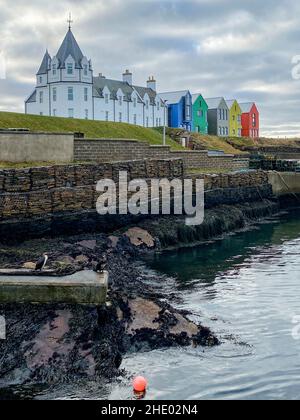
x: 113, y: 86
x: 173, y: 97
x: 44, y: 67
x: 230, y: 103
x: 69, y: 47
x: 142, y: 92
x: 214, y: 103
x: 32, y: 98
x: 195, y: 96
x: 246, y: 107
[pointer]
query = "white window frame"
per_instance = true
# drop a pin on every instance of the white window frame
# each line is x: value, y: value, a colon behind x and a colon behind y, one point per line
x: 70, y: 69
x: 70, y: 94
x: 54, y: 94
x: 86, y: 94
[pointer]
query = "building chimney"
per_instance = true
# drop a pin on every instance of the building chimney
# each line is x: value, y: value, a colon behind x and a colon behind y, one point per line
x: 101, y: 76
x: 151, y: 83
x: 127, y: 77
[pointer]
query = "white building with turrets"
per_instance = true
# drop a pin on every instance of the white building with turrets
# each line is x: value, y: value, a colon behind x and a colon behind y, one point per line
x: 66, y: 87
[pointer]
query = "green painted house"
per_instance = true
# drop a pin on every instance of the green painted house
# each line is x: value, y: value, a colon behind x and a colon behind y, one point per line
x: 200, y: 109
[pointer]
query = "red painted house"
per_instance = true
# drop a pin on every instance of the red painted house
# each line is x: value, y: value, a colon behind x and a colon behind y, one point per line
x: 250, y: 120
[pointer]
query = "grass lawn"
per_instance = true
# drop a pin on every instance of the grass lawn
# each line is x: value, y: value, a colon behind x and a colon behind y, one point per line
x: 91, y: 129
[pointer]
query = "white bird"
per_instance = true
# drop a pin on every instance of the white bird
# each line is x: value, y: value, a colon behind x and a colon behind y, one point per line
x: 40, y: 265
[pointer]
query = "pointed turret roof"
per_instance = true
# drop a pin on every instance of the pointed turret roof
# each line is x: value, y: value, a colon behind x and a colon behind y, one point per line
x: 70, y: 47
x: 44, y: 67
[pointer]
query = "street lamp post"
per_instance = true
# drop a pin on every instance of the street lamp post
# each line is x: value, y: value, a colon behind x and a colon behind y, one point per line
x: 164, y: 128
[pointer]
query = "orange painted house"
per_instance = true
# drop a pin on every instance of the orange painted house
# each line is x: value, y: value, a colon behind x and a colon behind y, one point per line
x: 250, y: 120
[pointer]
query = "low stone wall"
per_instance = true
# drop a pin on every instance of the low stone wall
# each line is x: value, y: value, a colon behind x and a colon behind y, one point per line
x: 108, y: 150
x: 36, y: 147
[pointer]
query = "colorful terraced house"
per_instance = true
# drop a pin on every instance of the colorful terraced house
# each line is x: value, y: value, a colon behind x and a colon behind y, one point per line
x: 235, y: 118
x: 180, y: 112
x: 250, y: 120
x: 200, y: 111
x: 218, y: 117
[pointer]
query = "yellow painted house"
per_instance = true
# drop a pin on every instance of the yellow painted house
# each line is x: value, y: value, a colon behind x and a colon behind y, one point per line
x: 235, y: 118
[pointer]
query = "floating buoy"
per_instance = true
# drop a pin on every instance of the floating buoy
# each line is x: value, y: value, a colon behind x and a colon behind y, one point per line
x: 140, y: 384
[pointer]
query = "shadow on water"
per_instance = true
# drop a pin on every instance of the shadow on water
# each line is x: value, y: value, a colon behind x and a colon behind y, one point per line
x: 203, y: 262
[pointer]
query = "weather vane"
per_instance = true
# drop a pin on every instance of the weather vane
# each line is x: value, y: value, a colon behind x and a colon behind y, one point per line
x: 70, y: 20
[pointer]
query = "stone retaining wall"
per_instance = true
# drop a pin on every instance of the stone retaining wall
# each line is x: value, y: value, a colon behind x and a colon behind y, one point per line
x: 107, y: 150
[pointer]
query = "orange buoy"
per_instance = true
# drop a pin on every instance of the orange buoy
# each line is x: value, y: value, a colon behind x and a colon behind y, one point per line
x: 140, y: 384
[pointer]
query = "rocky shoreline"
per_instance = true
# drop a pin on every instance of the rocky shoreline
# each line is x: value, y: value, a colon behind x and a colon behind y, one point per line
x: 62, y: 343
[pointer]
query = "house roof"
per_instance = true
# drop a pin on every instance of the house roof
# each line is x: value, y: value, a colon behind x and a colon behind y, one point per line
x: 246, y: 107
x: 173, y: 97
x: 230, y: 103
x: 44, y: 67
x: 69, y: 47
x: 32, y: 97
x: 195, y: 96
x: 214, y: 103
x: 114, y: 85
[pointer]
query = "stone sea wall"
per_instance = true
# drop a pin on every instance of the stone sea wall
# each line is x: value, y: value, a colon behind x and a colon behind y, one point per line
x: 61, y: 199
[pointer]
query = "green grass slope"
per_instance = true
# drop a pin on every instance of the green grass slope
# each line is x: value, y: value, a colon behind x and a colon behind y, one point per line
x: 91, y: 129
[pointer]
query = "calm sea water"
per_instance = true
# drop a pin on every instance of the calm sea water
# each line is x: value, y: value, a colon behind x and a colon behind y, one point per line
x: 247, y: 289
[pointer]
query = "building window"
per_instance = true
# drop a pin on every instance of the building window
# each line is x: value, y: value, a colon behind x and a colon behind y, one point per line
x: 106, y: 116
x: 147, y: 122
x: 54, y: 69
x: 86, y: 112
x: 41, y: 97
x: 147, y: 104
x: 54, y: 94
x: 233, y: 118
x: 106, y: 98
x: 41, y: 80
x: 254, y: 120
x: 85, y: 70
x: 120, y: 117
x: 220, y: 114
x: 86, y: 96
x: 54, y: 112
x: 134, y: 119
x: 226, y: 113
x: 223, y: 112
x: 134, y: 102
x: 120, y: 100
x: 69, y: 68
x: 156, y: 122
x: 226, y: 131
x: 159, y: 122
x: 157, y: 106
x: 70, y: 94
x: 200, y: 113
x: 71, y: 113
x: 220, y: 131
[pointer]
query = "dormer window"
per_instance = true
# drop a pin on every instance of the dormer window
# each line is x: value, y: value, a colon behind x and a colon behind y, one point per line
x: 70, y: 68
x: 85, y: 70
x: 147, y: 104
x: 41, y: 80
x: 120, y: 100
x: 54, y: 69
x: 106, y: 98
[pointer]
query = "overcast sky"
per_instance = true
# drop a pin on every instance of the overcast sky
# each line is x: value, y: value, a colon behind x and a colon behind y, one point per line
x: 230, y: 48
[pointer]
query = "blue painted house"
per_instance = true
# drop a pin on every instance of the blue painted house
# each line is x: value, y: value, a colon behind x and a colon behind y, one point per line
x: 180, y: 109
